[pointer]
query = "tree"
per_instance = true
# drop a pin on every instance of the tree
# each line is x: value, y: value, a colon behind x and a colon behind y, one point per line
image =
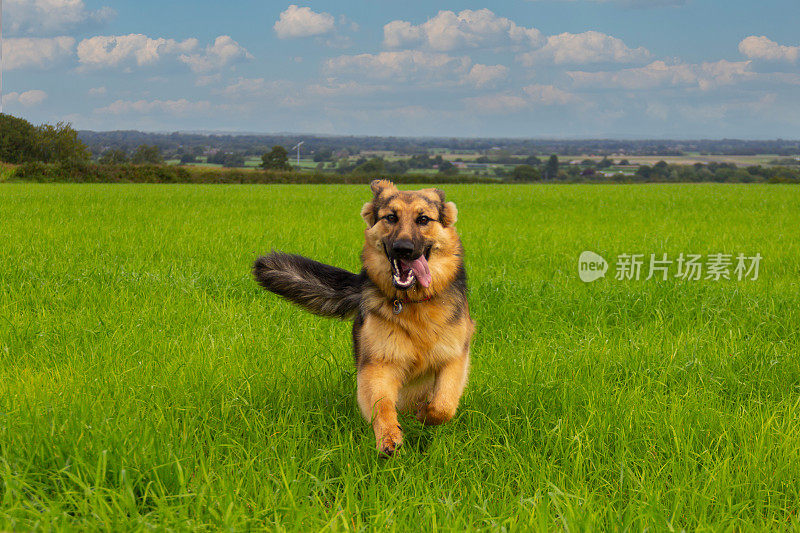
x: 60, y: 143
x: 20, y: 142
x: 375, y: 165
x: 187, y: 158
x: 325, y: 154
x: 276, y: 159
x: 231, y: 160
x: 446, y: 167
x: 17, y: 140
x: 605, y: 163
x: 113, y: 157
x: 147, y: 155
x: 644, y: 172
x: 551, y: 168
x: 525, y: 173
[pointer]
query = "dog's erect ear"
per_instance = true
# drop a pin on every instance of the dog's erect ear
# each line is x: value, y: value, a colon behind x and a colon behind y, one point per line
x: 440, y: 194
x: 449, y: 214
x: 378, y: 186
x: 368, y: 214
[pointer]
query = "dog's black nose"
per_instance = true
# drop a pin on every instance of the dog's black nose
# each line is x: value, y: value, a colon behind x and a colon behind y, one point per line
x: 403, y: 248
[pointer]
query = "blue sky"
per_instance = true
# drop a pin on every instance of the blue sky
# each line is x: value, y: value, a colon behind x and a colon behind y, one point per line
x: 517, y: 68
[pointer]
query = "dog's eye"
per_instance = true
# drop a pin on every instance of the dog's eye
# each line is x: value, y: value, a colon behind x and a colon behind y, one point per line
x: 422, y: 220
x: 391, y: 218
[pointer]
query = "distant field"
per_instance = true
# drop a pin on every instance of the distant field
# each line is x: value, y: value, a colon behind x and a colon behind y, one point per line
x: 147, y: 383
x: 308, y: 164
x: 739, y: 160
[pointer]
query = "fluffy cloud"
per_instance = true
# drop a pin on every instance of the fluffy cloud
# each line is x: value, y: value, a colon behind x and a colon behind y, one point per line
x: 449, y: 31
x: 401, y: 65
x: 755, y: 47
x: 417, y: 66
x: 28, y: 52
x: 660, y: 74
x: 116, y: 50
x: 27, y: 98
x: 172, y: 107
x: 105, y: 51
x: 51, y: 17
x: 302, y: 22
x: 581, y: 48
x: 533, y: 96
x: 549, y: 95
x: 223, y: 52
x: 97, y: 91
x: 482, y: 75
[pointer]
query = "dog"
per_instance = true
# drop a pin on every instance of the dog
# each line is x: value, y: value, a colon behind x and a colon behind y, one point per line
x: 411, y: 323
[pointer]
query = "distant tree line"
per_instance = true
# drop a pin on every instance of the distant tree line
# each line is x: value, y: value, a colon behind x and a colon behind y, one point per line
x: 56, y: 153
x: 325, y: 147
x: 661, y: 172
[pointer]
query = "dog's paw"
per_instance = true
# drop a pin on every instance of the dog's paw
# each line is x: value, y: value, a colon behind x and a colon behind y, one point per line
x: 433, y: 415
x: 390, y: 441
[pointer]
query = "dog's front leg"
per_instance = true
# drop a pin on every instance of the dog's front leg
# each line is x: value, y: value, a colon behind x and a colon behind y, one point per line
x: 448, y: 387
x: 378, y: 387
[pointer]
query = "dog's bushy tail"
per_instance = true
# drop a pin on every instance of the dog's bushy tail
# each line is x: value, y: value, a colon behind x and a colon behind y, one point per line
x: 322, y: 289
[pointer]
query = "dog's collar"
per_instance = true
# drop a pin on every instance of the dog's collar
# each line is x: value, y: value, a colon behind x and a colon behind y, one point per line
x: 397, y: 304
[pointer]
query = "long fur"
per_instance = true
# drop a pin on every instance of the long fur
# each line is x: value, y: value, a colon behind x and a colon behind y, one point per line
x: 321, y: 289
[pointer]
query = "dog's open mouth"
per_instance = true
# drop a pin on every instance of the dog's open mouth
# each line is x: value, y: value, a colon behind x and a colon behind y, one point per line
x: 407, y: 272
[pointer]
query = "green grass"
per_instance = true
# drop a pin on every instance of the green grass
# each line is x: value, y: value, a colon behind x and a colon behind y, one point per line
x: 147, y: 383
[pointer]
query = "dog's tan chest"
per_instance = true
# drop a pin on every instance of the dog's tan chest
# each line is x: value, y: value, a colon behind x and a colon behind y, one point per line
x: 421, y: 338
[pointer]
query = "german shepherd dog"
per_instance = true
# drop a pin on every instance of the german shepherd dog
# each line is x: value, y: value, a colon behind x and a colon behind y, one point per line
x: 411, y: 328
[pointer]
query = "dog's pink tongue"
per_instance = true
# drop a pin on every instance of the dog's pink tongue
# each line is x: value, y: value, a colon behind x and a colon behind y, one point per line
x: 421, y: 271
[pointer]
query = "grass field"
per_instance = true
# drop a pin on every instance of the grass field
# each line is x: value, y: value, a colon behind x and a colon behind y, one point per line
x: 147, y: 383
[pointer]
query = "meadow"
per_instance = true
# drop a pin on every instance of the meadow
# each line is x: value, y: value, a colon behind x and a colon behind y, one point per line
x: 146, y: 382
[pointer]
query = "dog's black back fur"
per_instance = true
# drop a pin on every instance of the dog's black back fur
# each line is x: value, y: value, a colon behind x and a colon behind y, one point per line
x: 321, y: 289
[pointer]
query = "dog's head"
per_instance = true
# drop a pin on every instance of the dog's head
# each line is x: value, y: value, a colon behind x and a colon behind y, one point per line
x: 410, y: 243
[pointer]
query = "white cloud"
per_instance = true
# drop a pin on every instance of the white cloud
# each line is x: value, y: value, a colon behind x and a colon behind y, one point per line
x: 534, y: 96
x: 755, y: 47
x: 223, y: 52
x: 660, y: 74
x: 400, y: 65
x: 449, y: 31
x: 496, y: 103
x: 97, y: 91
x: 26, y: 98
x: 582, y: 48
x: 399, y: 33
x: 51, y: 17
x: 105, y: 51
x: 181, y: 106
x: 549, y: 95
x: 253, y: 88
x: 333, y: 88
x: 25, y: 52
x: 126, y: 51
x: 483, y: 75
x: 302, y: 22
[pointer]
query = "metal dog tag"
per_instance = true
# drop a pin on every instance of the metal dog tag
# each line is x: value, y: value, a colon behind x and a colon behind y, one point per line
x: 397, y: 306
